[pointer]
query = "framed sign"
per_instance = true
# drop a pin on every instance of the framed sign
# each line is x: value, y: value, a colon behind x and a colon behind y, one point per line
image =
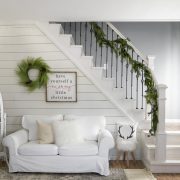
x: 62, y: 87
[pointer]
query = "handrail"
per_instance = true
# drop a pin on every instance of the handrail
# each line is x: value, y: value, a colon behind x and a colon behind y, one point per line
x: 141, y: 55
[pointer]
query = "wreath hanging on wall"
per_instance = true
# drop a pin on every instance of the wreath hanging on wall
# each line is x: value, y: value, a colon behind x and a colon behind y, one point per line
x: 26, y: 66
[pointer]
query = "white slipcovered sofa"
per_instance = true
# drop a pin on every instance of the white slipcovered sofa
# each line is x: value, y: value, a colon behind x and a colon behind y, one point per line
x: 27, y: 155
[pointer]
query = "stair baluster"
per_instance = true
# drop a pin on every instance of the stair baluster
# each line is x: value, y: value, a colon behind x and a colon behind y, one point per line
x: 132, y: 55
x: 80, y: 32
x: 96, y: 55
x: 64, y: 27
x: 75, y: 32
x: 70, y: 28
x: 101, y: 48
x: 85, y: 38
x: 137, y: 88
x: 112, y: 55
x: 107, y: 52
x: 142, y: 86
x: 127, y: 65
x: 117, y: 68
x: 122, y: 62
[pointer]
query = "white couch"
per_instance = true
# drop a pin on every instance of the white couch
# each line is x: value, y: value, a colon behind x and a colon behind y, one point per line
x: 27, y: 155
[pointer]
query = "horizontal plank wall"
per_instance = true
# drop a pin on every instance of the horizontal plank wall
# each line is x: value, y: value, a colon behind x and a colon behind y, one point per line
x: 18, y: 42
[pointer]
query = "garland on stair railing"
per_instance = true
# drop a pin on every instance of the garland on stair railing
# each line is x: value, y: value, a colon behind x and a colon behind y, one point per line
x: 120, y: 47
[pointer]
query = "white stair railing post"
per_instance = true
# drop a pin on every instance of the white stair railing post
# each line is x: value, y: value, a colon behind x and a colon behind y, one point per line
x: 160, y: 151
x: 151, y: 59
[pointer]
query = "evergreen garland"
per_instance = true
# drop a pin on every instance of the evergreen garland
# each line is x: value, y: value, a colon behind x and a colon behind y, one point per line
x: 120, y: 47
x: 33, y: 63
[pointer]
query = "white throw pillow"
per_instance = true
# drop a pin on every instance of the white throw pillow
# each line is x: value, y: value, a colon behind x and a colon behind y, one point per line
x: 126, y: 131
x: 90, y: 125
x: 67, y: 132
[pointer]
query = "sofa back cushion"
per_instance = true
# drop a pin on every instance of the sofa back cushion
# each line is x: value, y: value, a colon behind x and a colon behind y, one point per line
x: 29, y: 122
x: 90, y: 125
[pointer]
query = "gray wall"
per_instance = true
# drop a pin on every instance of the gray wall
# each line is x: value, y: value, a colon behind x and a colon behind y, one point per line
x: 161, y: 39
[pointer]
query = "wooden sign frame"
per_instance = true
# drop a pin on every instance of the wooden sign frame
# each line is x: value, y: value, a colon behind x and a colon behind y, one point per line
x: 62, y: 87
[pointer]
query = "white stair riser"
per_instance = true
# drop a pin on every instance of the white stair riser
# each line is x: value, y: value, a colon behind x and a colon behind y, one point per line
x: 86, y: 61
x: 76, y: 51
x: 66, y: 40
x: 175, y: 126
x: 171, y: 139
x: 171, y: 153
x: 108, y: 84
x: 55, y: 29
x: 118, y: 92
x: 97, y: 72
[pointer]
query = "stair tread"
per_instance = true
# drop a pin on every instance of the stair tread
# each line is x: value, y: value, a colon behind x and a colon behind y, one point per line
x: 173, y: 162
x: 152, y: 146
x: 168, y: 132
x: 66, y: 35
x: 77, y: 46
x: 93, y: 67
x: 173, y: 132
x: 83, y: 56
x: 108, y: 79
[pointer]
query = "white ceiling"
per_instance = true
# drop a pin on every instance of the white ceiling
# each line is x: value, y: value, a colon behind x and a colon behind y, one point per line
x: 90, y: 10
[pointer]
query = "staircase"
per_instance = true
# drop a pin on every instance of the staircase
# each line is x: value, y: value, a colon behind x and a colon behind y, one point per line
x: 113, y: 74
x: 120, y: 85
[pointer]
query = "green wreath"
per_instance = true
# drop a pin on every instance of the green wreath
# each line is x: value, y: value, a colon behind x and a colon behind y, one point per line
x: 33, y: 63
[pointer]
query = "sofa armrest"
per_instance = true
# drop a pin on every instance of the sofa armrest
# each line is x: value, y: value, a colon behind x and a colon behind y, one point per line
x: 105, y: 143
x: 14, y: 140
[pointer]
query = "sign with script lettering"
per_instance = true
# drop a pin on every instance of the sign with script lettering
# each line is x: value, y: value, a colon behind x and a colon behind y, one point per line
x: 62, y: 87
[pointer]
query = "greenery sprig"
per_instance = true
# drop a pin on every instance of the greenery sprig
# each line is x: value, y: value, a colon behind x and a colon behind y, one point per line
x: 120, y: 47
x: 33, y: 63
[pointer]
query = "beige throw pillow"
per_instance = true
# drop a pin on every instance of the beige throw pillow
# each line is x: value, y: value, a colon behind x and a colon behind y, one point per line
x: 45, y: 133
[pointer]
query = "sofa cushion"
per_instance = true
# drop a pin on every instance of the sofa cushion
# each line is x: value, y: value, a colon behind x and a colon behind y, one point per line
x: 87, y: 148
x: 33, y: 148
x: 90, y: 125
x: 29, y: 123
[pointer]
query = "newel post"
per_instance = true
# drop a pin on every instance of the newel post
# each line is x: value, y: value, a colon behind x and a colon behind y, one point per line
x: 160, y: 151
x: 151, y: 59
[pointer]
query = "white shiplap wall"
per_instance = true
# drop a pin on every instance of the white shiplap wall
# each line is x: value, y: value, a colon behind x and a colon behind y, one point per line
x: 20, y: 41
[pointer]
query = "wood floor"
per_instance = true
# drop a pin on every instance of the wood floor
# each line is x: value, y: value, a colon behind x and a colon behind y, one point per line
x: 139, y: 165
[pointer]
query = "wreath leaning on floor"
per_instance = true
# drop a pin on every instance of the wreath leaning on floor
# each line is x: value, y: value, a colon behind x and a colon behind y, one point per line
x: 31, y: 63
